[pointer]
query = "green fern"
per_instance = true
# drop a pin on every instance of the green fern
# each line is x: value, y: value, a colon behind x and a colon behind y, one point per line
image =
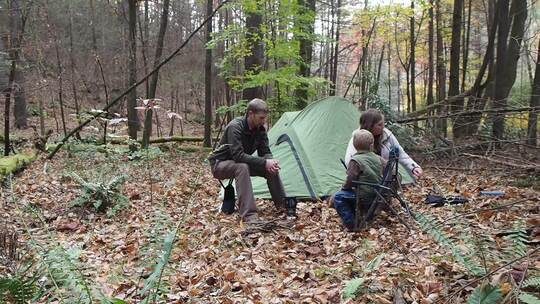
x: 518, y: 240
x: 485, y: 294
x: 101, y: 195
x: 17, y: 290
x: 528, y: 298
x: 353, y: 288
x: 430, y: 226
x: 533, y: 282
x: 154, y: 280
x: 373, y: 264
x: 64, y: 271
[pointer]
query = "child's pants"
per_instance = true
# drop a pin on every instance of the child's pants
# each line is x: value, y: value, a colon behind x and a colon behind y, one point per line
x: 344, y: 202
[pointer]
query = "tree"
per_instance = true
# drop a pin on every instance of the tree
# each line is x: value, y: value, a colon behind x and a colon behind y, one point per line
x: 154, y: 79
x: 305, y: 24
x: 535, y: 103
x: 412, y: 62
x: 476, y: 101
x: 333, y: 72
x: 431, y: 39
x: 441, y: 68
x: 17, y: 21
x: 17, y: 28
x: 72, y: 65
x: 253, y: 61
x: 4, y: 66
x: 508, y: 51
x: 208, y: 81
x: 453, y: 90
x: 133, y: 120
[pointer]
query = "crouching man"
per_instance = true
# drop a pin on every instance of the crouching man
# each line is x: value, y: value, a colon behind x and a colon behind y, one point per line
x: 233, y: 159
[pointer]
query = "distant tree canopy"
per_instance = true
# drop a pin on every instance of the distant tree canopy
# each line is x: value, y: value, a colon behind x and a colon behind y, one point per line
x: 434, y: 58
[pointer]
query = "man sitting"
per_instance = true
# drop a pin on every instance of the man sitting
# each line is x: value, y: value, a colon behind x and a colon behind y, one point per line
x: 364, y: 166
x: 233, y: 159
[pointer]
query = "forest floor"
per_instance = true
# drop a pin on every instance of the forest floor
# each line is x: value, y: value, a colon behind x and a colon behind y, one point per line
x: 170, y: 244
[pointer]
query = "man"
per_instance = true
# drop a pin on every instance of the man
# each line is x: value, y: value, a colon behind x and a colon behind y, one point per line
x: 233, y: 159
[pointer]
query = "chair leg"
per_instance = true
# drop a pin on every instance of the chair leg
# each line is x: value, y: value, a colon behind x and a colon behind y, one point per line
x: 369, y: 214
x: 357, y: 220
x: 396, y: 214
x: 405, y: 206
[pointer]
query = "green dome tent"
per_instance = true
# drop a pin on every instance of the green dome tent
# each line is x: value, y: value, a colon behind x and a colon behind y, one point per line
x: 309, y: 145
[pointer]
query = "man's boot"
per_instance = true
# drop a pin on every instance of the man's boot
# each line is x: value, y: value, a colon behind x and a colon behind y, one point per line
x: 291, y: 206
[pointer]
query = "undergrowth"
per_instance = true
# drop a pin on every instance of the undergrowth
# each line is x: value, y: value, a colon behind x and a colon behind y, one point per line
x: 479, y: 253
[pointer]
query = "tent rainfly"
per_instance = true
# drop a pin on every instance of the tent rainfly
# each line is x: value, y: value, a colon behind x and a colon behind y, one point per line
x: 309, y: 145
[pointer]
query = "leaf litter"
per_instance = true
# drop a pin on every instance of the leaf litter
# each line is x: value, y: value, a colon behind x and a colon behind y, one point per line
x: 216, y: 259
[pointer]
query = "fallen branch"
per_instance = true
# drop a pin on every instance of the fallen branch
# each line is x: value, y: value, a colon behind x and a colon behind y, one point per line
x: 469, y: 113
x: 482, y: 210
x: 478, y: 145
x: 161, y: 140
x: 534, y: 168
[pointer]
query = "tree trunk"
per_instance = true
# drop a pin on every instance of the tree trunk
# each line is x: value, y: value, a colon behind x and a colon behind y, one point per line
x: 477, y: 101
x: 145, y: 38
x: 457, y: 104
x: 20, y: 112
x: 253, y: 61
x: 16, y: 24
x: 154, y: 79
x: 60, y: 89
x: 328, y: 45
x: 412, y: 62
x: 379, y: 68
x: 399, y: 97
x: 333, y: 80
x: 41, y: 118
x: 535, y: 103
x: 364, y: 72
x: 429, y: 99
x: 208, y: 81
x: 462, y: 124
x: 305, y: 23
x: 8, y: 93
x: 93, y: 24
x: 133, y: 120
x: 441, y: 69
x: 72, y: 66
x: 466, y: 40
x: 507, y: 58
x: 389, y: 77
x: 95, y: 92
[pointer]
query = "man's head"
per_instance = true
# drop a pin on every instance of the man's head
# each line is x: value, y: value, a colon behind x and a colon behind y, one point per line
x: 256, y: 113
x: 363, y: 140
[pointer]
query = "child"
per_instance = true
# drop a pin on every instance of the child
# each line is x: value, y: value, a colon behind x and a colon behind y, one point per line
x: 364, y: 166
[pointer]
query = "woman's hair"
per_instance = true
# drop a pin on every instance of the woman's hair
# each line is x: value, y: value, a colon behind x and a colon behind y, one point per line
x: 368, y: 119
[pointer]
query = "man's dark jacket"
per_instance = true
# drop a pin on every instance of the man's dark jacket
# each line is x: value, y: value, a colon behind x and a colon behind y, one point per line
x: 239, y: 143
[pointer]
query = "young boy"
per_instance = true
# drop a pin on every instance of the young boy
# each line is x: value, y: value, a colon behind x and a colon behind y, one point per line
x: 364, y: 166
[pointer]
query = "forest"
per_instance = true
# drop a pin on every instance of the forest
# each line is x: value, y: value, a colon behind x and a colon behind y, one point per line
x: 113, y: 110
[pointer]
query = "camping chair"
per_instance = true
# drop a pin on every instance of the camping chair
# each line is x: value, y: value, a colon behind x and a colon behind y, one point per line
x: 384, y: 191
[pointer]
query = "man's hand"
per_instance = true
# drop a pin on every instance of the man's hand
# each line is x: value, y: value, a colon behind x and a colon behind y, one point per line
x: 272, y: 166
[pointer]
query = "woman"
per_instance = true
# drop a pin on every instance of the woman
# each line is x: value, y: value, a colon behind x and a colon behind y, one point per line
x: 373, y: 121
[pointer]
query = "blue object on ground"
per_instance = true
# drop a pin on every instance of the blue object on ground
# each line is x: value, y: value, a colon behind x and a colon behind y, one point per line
x: 492, y: 193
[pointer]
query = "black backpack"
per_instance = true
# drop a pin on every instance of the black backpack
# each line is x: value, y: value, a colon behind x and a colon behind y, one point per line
x: 229, y: 199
